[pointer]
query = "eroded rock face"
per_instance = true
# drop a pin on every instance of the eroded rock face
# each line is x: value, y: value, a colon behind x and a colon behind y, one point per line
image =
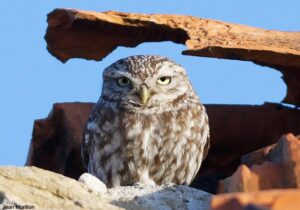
x: 235, y: 131
x: 40, y: 189
x: 276, y: 166
x: 93, y: 35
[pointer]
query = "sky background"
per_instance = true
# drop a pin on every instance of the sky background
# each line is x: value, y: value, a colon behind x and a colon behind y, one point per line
x: 31, y: 79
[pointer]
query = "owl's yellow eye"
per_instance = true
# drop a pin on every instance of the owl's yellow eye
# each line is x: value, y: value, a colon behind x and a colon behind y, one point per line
x: 123, y: 81
x: 164, y: 80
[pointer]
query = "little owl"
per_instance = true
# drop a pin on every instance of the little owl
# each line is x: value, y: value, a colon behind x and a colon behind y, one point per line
x: 148, y: 125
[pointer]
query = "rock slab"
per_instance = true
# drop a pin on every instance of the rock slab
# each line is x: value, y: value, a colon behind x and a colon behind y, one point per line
x: 34, y: 188
x: 167, y: 197
x: 93, y: 35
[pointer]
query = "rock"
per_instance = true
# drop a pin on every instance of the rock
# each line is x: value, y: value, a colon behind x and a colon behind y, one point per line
x: 284, y: 150
x: 93, y: 35
x: 93, y: 183
x: 262, y: 200
x: 243, y: 180
x: 164, y: 197
x: 34, y: 188
x: 257, y: 157
x: 279, y: 168
x: 240, y: 129
x: 56, y: 140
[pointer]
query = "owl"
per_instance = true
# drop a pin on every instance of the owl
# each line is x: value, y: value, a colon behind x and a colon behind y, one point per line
x: 148, y: 125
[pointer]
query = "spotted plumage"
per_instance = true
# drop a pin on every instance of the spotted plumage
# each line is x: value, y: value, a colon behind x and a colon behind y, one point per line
x: 148, y: 125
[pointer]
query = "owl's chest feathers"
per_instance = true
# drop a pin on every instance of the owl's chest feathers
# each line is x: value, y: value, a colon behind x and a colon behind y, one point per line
x: 147, y: 148
x: 156, y: 145
x: 147, y: 133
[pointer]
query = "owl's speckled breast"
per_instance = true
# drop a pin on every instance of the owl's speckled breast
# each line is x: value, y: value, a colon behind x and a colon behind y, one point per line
x: 153, y: 149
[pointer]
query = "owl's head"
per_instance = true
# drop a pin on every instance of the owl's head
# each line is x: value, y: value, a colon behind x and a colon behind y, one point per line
x: 146, y: 83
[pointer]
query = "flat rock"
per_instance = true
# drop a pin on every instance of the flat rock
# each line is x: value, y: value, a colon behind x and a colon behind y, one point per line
x: 167, y: 197
x: 34, y: 188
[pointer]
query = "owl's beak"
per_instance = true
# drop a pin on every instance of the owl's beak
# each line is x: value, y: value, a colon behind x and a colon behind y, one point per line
x: 144, y: 94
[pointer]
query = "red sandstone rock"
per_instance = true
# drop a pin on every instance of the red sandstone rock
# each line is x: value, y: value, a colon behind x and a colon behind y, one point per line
x: 279, y: 168
x: 93, y: 35
x: 243, y: 180
x: 56, y: 140
x: 240, y: 129
x: 263, y: 200
x: 235, y: 130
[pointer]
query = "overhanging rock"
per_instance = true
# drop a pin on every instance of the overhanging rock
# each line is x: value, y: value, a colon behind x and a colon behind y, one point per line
x: 93, y: 35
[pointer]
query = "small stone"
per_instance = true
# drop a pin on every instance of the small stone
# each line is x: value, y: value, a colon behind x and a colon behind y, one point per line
x: 93, y: 183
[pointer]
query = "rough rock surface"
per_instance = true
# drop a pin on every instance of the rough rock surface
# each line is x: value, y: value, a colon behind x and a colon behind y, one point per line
x: 34, y: 188
x: 262, y: 200
x: 56, y: 140
x: 165, y: 197
x: 93, y: 35
x: 279, y: 167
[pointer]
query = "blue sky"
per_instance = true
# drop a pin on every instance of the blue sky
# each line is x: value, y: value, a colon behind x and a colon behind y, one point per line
x: 31, y: 79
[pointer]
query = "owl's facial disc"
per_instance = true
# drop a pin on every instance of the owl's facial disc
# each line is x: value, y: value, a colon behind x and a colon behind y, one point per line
x: 145, y: 84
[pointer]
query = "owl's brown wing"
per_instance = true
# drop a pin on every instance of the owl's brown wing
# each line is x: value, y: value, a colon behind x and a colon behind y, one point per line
x: 87, y: 138
x: 206, y: 147
x: 85, y: 147
x: 100, y: 116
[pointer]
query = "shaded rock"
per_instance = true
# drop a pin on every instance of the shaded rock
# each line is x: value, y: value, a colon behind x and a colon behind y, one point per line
x: 36, y: 188
x: 279, y: 168
x: 235, y: 131
x: 164, y: 197
x: 93, y: 35
x: 56, y: 140
x: 240, y: 129
x: 262, y: 200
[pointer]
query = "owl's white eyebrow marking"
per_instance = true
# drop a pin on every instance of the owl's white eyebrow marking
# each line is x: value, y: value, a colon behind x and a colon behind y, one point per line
x: 117, y: 74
